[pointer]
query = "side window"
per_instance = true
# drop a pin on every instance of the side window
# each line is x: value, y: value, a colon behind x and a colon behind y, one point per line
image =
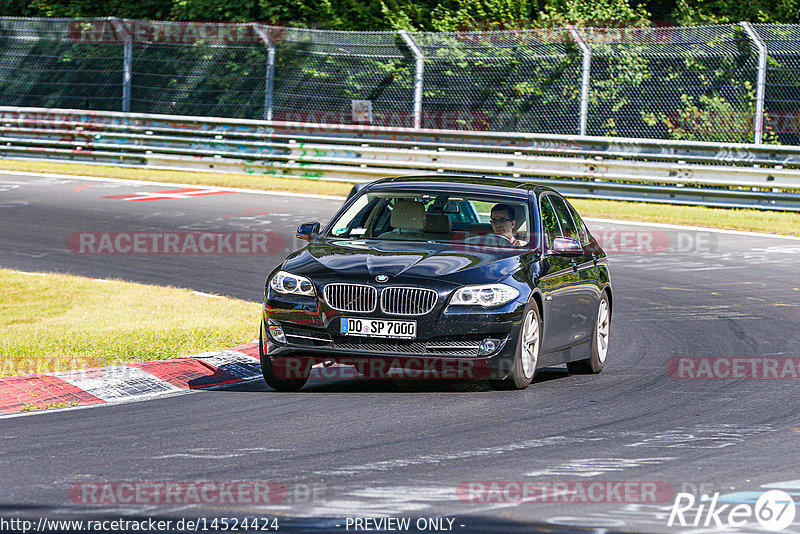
x: 550, y: 228
x: 564, y: 217
x: 582, y: 231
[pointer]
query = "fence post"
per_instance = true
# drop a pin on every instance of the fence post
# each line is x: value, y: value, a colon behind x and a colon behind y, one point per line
x: 761, y: 84
x: 418, y: 73
x: 269, y: 85
x: 586, y: 71
x: 127, y: 62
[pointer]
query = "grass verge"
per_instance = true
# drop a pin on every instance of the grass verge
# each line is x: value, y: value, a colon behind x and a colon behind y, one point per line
x: 56, y: 322
x: 772, y: 222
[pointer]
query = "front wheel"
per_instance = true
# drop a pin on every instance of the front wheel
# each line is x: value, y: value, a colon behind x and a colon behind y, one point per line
x: 527, y: 354
x: 597, y: 357
x: 277, y: 380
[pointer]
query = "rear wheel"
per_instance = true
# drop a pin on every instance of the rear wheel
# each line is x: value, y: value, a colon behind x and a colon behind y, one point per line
x: 276, y: 378
x: 527, y: 353
x: 597, y: 358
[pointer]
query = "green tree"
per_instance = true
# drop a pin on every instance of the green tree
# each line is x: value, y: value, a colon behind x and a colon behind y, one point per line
x: 693, y: 12
x: 594, y: 13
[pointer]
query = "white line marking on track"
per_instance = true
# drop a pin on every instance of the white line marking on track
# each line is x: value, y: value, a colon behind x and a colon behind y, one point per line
x: 330, y: 197
x: 788, y: 484
x: 396, y: 463
x: 214, y: 456
x: 163, y: 184
x: 693, y: 228
x: 592, y: 467
x: 208, y: 295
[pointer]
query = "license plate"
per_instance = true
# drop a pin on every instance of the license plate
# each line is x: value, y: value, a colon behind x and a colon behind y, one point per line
x: 356, y: 326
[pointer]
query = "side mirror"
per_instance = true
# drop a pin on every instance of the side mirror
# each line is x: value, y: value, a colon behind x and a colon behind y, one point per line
x: 307, y: 231
x: 566, y: 246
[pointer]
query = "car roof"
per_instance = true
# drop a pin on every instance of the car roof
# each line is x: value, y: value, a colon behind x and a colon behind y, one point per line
x: 467, y: 182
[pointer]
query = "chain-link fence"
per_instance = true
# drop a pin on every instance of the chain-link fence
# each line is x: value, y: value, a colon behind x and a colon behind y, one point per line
x: 708, y: 83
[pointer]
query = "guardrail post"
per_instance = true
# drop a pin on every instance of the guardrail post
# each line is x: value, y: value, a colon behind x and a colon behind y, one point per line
x: 761, y: 84
x: 418, y: 73
x: 637, y: 171
x: 127, y: 62
x: 586, y: 71
x: 269, y: 85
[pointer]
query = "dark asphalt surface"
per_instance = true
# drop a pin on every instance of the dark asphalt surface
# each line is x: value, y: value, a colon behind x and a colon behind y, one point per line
x: 378, y: 449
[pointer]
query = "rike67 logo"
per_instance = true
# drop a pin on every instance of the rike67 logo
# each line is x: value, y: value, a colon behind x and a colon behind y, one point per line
x: 774, y: 510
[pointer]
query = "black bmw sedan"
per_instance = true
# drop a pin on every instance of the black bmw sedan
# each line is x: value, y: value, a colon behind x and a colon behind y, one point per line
x: 440, y: 276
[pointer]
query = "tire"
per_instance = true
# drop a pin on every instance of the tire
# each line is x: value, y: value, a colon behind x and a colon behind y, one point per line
x: 599, y: 351
x: 527, y: 353
x: 270, y: 377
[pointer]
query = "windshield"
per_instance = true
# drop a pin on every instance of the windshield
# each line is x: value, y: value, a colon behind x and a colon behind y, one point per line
x: 445, y: 217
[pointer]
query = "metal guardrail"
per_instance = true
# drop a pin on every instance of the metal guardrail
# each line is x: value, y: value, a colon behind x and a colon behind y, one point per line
x: 734, y: 175
x: 719, y: 83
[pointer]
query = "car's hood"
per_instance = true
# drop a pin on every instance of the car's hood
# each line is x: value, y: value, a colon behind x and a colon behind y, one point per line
x: 405, y: 259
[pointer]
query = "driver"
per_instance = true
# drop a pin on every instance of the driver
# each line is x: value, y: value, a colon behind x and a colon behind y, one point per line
x: 504, y: 223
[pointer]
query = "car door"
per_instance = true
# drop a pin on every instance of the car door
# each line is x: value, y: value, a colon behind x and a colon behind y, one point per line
x: 567, y: 299
x: 556, y: 279
x: 584, y: 294
x: 593, y: 275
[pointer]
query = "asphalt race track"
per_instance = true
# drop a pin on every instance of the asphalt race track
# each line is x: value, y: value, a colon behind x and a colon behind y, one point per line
x: 374, y: 449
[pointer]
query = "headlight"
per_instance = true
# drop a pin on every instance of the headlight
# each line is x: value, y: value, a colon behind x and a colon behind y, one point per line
x: 291, y: 284
x: 487, y: 296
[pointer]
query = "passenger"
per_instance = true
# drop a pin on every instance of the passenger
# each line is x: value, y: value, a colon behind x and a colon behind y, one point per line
x: 504, y: 222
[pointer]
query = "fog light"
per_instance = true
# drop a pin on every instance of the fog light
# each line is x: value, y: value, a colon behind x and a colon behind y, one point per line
x: 488, y: 346
x: 276, y: 332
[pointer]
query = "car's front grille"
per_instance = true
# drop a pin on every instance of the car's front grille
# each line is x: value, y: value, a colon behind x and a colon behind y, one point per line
x: 407, y: 300
x: 439, y: 346
x: 351, y: 297
x: 389, y: 346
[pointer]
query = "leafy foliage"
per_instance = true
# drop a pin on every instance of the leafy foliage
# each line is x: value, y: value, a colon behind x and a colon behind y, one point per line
x: 692, y: 12
x: 424, y: 15
x: 473, y: 78
x: 595, y: 13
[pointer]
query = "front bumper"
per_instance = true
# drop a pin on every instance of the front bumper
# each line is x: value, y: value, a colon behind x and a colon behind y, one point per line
x: 447, y: 346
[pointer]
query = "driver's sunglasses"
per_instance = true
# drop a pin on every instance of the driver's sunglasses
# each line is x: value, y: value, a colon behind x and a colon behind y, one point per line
x: 501, y: 220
